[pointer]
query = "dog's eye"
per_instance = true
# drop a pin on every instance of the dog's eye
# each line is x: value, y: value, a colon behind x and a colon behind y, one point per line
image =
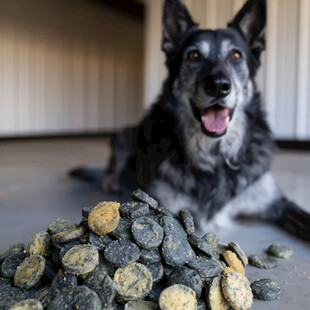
x: 194, y: 55
x: 236, y: 55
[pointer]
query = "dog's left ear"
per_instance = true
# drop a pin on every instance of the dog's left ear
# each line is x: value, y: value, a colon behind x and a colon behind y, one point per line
x: 251, y: 23
x: 176, y: 22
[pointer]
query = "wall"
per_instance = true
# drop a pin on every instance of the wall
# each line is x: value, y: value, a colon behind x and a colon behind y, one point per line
x: 284, y: 77
x: 68, y: 66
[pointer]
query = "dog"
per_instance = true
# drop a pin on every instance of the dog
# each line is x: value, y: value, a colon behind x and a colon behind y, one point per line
x: 205, y: 144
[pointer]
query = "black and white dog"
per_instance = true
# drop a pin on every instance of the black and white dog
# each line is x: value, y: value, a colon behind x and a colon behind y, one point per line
x: 205, y: 144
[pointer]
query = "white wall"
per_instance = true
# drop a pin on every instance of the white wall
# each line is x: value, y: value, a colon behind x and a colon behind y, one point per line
x: 285, y: 75
x: 68, y: 66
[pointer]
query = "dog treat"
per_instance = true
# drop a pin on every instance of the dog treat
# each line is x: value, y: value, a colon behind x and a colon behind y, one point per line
x: 39, y: 244
x: 80, y: 259
x: 187, y: 220
x: 215, y: 297
x: 176, y: 251
x: 29, y: 272
x: 262, y: 261
x: 68, y: 235
x: 235, y: 247
x: 104, y: 217
x: 28, y: 304
x: 139, y: 195
x: 133, y: 282
x: 237, y: 291
x: 99, y: 242
x: 123, y: 230
x: 121, y: 253
x: 14, y: 249
x: 207, y: 268
x: 266, y: 289
x: 141, y: 305
x: 147, y: 233
x: 80, y: 297
x: 233, y: 261
x: 10, y: 264
x: 146, y: 259
x: 177, y: 297
x: 280, y: 251
x: 187, y: 277
x: 59, y: 226
x: 134, y: 209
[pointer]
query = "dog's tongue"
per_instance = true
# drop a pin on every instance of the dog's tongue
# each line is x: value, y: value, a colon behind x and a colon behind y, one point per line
x: 214, y: 119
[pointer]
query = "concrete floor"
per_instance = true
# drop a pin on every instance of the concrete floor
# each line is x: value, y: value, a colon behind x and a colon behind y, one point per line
x: 34, y: 190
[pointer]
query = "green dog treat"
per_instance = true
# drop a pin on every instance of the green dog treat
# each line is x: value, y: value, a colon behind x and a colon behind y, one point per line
x: 10, y: 264
x: 144, y: 197
x: 235, y: 247
x: 266, y: 289
x: 177, y: 297
x: 280, y: 251
x: 14, y: 249
x: 262, y: 261
x: 68, y: 235
x: 60, y: 225
x: 29, y: 272
x: 80, y: 259
x: 141, y: 305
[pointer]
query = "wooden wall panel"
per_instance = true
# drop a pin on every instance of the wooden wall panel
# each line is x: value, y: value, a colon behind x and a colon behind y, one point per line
x: 284, y: 77
x: 68, y: 66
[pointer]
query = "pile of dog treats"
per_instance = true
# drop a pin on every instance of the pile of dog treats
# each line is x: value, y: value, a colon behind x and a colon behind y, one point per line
x: 133, y: 256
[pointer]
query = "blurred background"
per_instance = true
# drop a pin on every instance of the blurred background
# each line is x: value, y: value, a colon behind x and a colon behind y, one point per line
x: 74, y: 71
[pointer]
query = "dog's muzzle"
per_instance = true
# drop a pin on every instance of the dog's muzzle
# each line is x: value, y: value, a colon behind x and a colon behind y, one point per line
x: 214, y: 119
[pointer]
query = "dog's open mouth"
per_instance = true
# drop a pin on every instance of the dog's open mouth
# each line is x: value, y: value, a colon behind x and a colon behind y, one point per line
x: 214, y: 120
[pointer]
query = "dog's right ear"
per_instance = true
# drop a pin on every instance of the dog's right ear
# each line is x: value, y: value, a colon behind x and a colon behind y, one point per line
x: 176, y: 22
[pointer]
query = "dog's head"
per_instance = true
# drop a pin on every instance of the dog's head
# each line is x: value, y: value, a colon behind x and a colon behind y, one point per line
x: 214, y: 70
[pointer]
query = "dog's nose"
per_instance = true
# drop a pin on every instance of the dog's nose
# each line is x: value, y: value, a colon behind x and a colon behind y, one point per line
x: 218, y: 86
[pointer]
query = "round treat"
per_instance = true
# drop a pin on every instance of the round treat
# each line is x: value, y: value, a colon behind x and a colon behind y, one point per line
x: 172, y: 226
x: 68, y: 235
x: 104, y: 217
x: 121, y: 253
x: 29, y: 272
x: 133, y: 282
x: 203, y: 246
x: 28, y: 304
x: 14, y: 249
x: 150, y: 256
x: 211, y: 238
x: 10, y: 264
x: 80, y: 297
x: 233, y: 261
x: 215, y: 297
x: 67, y: 246
x: 63, y: 281
x: 147, y: 233
x: 266, y: 289
x: 99, y: 242
x: 187, y: 277
x: 60, y: 225
x: 81, y: 259
x: 280, y: 251
x: 123, y: 230
x: 141, y: 305
x: 262, y: 261
x: 39, y: 244
x: 5, y: 282
x: 144, y: 197
x: 235, y: 247
x: 177, y: 297
x: 157, y: 271
x: 44, y: 295
x: 134, y: 209
x: 187, y: 221
x: 9, y: 296
x: 237, y: 291
x: 206, y: 268
x: 176, y: 251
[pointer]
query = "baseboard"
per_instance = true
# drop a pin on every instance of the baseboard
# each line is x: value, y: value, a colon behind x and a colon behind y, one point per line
x: 293, y: 144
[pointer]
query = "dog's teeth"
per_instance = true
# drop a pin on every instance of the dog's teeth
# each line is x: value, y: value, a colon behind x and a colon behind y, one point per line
x: 202, y: 119
x: 227, y: 119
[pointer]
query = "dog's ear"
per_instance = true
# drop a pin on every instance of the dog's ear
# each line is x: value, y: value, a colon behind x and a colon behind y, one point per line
x: 176, y: 22
x: 251, y: 22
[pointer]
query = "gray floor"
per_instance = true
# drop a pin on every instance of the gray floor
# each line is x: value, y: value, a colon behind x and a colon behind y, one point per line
x: 34, y: 190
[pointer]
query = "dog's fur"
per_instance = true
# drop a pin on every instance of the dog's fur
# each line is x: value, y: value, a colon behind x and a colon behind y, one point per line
x: 172, y: 154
